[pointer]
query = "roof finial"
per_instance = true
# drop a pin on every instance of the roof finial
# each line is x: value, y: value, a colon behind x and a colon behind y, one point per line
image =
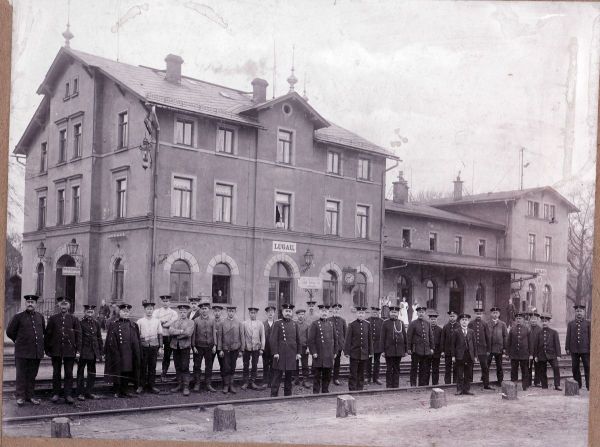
x: 68, y: 35
x: 292, y: 79
x: 304, y: 95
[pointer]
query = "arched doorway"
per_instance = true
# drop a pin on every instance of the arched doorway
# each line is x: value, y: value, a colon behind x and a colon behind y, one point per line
x: 65, y: 284
x: 404, y: 290
x: 280, y: 286
x: 221, y: 283
x: 529, y: 302
x: 456, y: 296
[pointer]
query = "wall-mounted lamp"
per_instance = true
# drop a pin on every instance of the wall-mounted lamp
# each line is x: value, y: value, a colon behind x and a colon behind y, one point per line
x: 308, y: 260
x: 72, y: 247
x: 41, y: 251
x: 145, y: 148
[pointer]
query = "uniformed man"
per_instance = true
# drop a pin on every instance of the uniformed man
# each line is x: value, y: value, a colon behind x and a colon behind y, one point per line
x: 373, y: 363
x: 285, y: 346
x: 312, y: 314
x: 393, y: 346
x: 483, y: 345
x: 62, y: 343
x: 181, y: 332
x: 253, y: 346
x: 218, y: 320
x: 27, y: 330
x: 340, y: 326
x: 91, y: 352
x: 420, y: 347
x: 167, y: 316
x: 359, y: 347
x: 122, y: 351
x: 322, y: 344
x: 447, y: 342
x: 151, y: 341
x: 267, y: 356
x: 519, y: 350
x: 194, y: 308
x: 303, y: 327
x: 578, y: 344
x: 229, y: 345
x: 534, y: 330
x: 437, y: 348
x: 463, y: 351
x: 546, y: 349
x: 499, y: 337
x: 204, y: 347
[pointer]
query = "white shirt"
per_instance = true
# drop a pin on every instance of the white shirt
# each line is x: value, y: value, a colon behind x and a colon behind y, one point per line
x: 150, y: 329
x: 166, y: 316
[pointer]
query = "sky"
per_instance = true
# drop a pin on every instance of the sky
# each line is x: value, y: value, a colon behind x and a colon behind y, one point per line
x: 447, y: 86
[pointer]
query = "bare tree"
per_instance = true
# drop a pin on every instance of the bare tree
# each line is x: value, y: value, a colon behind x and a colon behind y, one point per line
x: 427, y: 195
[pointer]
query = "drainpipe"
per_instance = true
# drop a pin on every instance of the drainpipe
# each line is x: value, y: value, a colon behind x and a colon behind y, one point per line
x: 381, y: 227
x: 154, y: 206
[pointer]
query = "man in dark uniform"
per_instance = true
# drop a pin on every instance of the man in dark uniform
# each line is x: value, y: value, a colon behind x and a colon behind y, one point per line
x: 303, y: 327
x: 312, y: 314
x: 578, y: 344
x: 498, y: 337
x: 546, y: 349
x: 26, y: 330
x: 91, y: 352
x: 447, y: 342
x: 437, y: 349
x: 340, y: 326
x: 322, y: 344
x: 181, y: 332
x: 285, y: 346
x: 373, y: 363
x: 229, y: 344
x: 463, y: 351
x: 393, y: 346
x: 534, y: 331
x: 420, y: 347
x: 123, y: 352
x: 267, y: 356
x: 483, y: 345
x: 204, y: 347
x: 62, y: 342
x: 359, y: 347
x: 519, y: 350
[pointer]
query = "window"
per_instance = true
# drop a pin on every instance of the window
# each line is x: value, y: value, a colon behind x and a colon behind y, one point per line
x: 458, y: 245
x: 362, y: 221
x: 282, y: 210
x: 547, y: 299
x: 184, y: 132
x: 533, y: 208
x: 431, y: 294
x: 406, y: 238
x: 364, y: 169
x: 359, y: 293
x: 223, y: 202
x: 548, y: 249
x: 41, y: 212
x: 60, y: 207
x: 182, y: 197
x: 180, y: 280
x: 77, y: 140
x: 75, y: 86
x: 221, y: 281
x: 76, y: 204
x: 225, y: 140
x: 118, y: 280
x: 330, y: 284
x: 44, y: 157
x: 333, y: 163
x: 530, y: 298
x: 284, y: 146
x: 62, y: 145
x: 480, y: 296
x: 481, y: 247
x: 123, y: 137
x: 67, y: 90
x: 532, y: 247
x: 39, y: 282
x: 121, y: 198
x: 549, y: 211
x: 332, y: 212
x: 433, y: 242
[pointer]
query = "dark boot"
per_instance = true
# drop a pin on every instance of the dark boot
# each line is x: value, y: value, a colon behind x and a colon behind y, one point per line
x: 210, y: 388
x: 225, y: 385
x: 232, y: 389
x: 186, y: 385
x: 179, y: 386
x: 198, y: 381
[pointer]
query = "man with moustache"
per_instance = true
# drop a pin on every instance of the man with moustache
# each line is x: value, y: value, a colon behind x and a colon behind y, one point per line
x: 483, y: 344
x: 499, y: 337
x: 373, y: 363
x: 437, y: 348
x: 577, y: 344
x: 267, y: 356
x: 463, y: 351
x: 447, y: 342
x: 340, y: 326
x: 91, y: 352
x: 546, y: 349
x: 303, y: 327
x: 393, y: 346
x: 322, y: 344
x: 359, y: 347
x: 519, y: 348
x: 285, y: 346
x: 534, y: 329
x: 420, y: 347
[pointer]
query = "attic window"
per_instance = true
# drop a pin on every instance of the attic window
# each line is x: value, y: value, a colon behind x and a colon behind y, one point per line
x: 287, y: 109
x: 67, y: 91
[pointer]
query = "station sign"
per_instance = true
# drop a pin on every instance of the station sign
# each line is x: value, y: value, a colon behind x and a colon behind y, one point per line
x: 71, y: 271
x: 310, y: 282
x: 284, y: 247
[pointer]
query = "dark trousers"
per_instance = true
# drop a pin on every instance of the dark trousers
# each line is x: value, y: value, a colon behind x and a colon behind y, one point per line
x: 497, y: 357
x: 585, y: 359
x: 514, y: 371
x: 220, y: 360
x: 248, y: 356
x: 485, y: 369
x: 267, y: 368
x: 322, y: 378
x: 544, y: 373
x: 392, y: 372
x: 27, y: 370
x: 181, y: 358
x: 166, y: 361
x: 434, y: 367
x: 57, y: 364
x: 373, y: 366
x: 276, y: 382
x: 418, y: 366
x: 228, y: 366
x: 206, y: 354
x: 148, y: 369
x: 304, y: 363
x: 121, y: 381
x: 356, y: 382
x: 450, y: 374
x: 464, y: 373
x: 336, y: 365
x: 85, y: 386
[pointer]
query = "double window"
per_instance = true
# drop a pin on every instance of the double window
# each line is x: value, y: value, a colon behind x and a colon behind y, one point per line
x: 283, y: 204
x: 184, y: 132
x: 549, y: 211
x: 123, y: 134
x: 284, y: 146
x: 225, y: 140
x: 362, y: 221
x: 364, y: 169
x: 333, y: 163
x: 182, y: 197
x: 223, y: 202
x: 332, y: 214
x: 533, y: 208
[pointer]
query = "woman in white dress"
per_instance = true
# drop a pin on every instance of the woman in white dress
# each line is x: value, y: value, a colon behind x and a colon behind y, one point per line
x: 414, y: 311
x: 403, y: 311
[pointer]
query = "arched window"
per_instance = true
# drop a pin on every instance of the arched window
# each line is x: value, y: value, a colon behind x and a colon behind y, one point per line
x: 221, y: 283
x: 431, y: 294
x: 359, y: 294
x: 530, y: 298
x: 181, y: 280
x: 547, y: 299
x: 330, y: 285
x: 480, y: 296
x: 39, y: 283
x: 118, y: 278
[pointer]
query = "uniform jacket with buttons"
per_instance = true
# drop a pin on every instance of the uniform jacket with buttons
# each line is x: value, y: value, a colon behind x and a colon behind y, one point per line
x: 498, y: 336
x: 322, y: 340
x: 91, y: 339
x: 63, y: 335
x: 483, y: 341
x: 204, y: 332
x: 437, y: 341
x: 268, y: 330
x: 420, y: 337
x: 26, y: 330
x: 393, y: 338
x: 578, y: 337
x: 546, y: 344
x: 285, y: 341
x: 462, y: 343
x: 229, y: 335
x: 375, y: 324
x: 184, y: 340
x: 534, y: 331
x: 358, y: 344
x: 303, y: 332
x: 519, y: 345
x: 113, y: 350
x: 340, y: 326
x: 448, y: 336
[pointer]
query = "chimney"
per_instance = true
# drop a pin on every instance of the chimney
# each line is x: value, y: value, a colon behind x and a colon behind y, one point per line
x: 173, y: 68
x: 400, y: 189
x: 458, y: 188
x: 259, y: 90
